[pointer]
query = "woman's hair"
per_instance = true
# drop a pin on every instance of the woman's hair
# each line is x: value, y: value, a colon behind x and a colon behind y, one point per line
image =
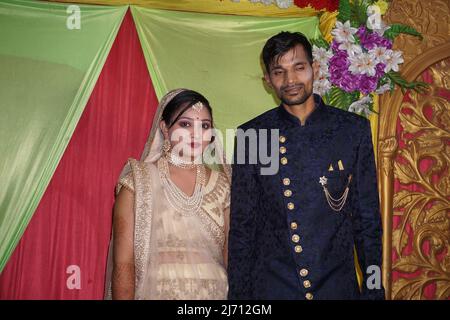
x: 180, y: 103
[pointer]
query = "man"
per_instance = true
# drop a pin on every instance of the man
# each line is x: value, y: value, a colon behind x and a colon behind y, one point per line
x: 292, y: 234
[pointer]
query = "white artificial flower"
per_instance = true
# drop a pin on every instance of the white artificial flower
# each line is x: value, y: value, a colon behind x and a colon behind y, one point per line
x: 383, y: 88
x: 284, y: 4
x: 266, y: 2
x: 322, y: 77
x: 361, y: 106
x: 321, y: 86
x: 393, y: 59
x: 379, y: 53
x: 323, y: 68
x: 351, y: 48
x: 363, y: 63
x: 321, y: 54
x: 343, y: 32
x: 321, y: 57
x: 382, y: 29
x: 254, y: 1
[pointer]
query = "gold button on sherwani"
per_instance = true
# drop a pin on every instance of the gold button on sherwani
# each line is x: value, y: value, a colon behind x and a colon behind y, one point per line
x: 304, y: 272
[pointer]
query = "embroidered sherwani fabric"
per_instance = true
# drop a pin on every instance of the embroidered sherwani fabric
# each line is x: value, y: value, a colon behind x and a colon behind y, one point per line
x: 178, y: 255
x: 286, y: 239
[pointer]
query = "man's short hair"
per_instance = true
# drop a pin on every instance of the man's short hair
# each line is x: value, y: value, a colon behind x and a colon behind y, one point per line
x: 281, y: 43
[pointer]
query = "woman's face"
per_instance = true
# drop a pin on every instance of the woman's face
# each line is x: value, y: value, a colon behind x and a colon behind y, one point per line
x: 191, y: 133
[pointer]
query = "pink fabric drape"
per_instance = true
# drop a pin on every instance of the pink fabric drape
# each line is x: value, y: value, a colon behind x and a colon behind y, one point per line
x: 67, y: 239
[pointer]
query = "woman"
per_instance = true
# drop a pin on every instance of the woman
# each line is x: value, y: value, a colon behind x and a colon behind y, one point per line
x: 171, y: 214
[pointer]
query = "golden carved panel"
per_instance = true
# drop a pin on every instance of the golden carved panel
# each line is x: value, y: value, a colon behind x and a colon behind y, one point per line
x: 430, y: 18
x: 421, y: 238
x: 415, y: 238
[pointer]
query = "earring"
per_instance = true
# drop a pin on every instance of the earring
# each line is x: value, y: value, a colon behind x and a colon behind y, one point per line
x: 166, y: 146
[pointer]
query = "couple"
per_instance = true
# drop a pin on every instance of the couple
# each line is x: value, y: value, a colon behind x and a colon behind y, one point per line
x: 285, y: 236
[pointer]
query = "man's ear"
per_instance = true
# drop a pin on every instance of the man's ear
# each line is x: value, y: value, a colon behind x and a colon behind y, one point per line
x: 315, y: 67
x: 267, y: 79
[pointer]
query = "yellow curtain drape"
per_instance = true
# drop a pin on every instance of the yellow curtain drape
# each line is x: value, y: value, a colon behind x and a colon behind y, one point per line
x: 210, y: 6
x: 326, y: 24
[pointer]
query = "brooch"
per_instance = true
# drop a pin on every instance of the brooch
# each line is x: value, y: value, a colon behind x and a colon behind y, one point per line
x: 335, y: 204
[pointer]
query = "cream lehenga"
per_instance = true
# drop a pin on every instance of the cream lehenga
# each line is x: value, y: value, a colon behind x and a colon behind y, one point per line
x: 177, y: 250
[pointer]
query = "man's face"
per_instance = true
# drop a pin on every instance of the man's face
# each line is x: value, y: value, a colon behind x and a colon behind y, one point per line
x: 292, y: 77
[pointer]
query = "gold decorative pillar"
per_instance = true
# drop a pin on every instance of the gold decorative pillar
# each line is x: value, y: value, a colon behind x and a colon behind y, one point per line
x: 387, y: 149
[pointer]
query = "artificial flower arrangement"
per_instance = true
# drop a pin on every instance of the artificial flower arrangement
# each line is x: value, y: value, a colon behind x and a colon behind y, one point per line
x: 360, y: 62
x: 330, y: 5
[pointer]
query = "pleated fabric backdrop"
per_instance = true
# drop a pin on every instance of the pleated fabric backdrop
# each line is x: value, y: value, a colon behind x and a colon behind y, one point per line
x: 72, y: 224
x: 49, y: 66
x: 62, y: 254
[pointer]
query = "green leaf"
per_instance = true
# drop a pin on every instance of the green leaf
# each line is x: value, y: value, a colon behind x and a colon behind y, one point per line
x: 359, y: 12
x: 320, y: 42
x: 396, y: 29
x: 345, y: 11
x: 339, y: 98
x: 392, y: 85
x: 371, y: 106
x: 397, y: 79
x: 386, y: 79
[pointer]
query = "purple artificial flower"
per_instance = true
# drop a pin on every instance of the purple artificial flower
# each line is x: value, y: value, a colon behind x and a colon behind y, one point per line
x: 368, y: 84
x: 334, y: 46
x: 338, y: 64
x: 379, y: 68
x: 361, y: 31
x: 370, y: 40
x: 349, y: 82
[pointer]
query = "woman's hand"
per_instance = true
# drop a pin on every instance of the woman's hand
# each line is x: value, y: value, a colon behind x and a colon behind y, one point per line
x: 123, y: 247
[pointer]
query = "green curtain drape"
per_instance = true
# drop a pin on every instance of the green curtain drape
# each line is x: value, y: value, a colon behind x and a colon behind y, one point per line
x: 217, y: 55
x: 48, y: 70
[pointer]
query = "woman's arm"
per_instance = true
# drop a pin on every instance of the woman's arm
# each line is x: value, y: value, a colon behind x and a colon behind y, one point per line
x: 226, y: 230
x: 123, y: 247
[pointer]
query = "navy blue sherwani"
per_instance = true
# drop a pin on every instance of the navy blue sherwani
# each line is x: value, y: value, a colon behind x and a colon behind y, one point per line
x: 286, y: 241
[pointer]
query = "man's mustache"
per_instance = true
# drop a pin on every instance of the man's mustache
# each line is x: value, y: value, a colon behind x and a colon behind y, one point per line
x: 295, y: 86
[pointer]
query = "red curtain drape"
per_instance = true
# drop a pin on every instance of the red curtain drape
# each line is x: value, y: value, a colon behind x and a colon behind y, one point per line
x: 67, y: 239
